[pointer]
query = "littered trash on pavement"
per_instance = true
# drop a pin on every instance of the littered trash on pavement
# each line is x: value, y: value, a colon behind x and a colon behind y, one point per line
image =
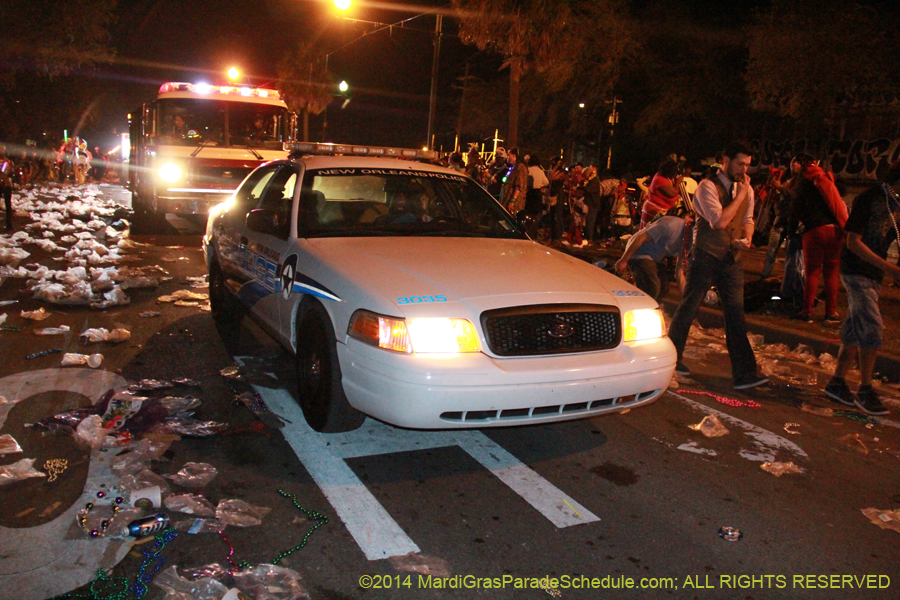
x: 886, y: 519
x: 822, y: 411
x: 201, y: 525
x: 710, y: 426
x: 62, y: 329
x: 144, y: 479
x: 857, y: 441
x: 73, y: 358
x: 780, y: 468
x: 2, y: 318
x: 9, y: 445
x: 177, y: 587
x: 90, y: 432
x: 193, y: 475
x: 239, y: 513
x: 419, y: 563
x: 180, y: 404
x: 35, y: 315
x: 101, y: 334
x: 191, y: 504
x: 18, y: 471
x: 191, y: 427
x: 270, y: 582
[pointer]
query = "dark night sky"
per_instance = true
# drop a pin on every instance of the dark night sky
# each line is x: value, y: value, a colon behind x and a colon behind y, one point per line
x: 389, y: 71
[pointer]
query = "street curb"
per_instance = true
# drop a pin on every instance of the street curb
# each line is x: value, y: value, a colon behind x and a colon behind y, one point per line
x: 784, y: 334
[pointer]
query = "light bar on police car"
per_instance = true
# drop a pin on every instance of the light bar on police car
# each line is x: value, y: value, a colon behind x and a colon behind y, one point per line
x: 323, y: 148
x: 224, y: 90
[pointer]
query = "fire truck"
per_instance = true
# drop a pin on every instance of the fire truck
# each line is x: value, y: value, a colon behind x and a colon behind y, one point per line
x: 194, y: 143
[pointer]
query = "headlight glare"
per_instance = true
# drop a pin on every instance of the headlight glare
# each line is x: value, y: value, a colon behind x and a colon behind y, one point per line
x: 170, y: 172
x: 642, y: 324
x: 443, y: 335
x: 427, y: 335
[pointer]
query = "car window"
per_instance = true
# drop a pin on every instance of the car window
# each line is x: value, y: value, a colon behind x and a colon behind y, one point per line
x: 278, y: 197
x: 247, y: 197
x: 354, y: 202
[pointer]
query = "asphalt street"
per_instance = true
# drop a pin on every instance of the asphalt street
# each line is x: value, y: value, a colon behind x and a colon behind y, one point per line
x: 634, y: 505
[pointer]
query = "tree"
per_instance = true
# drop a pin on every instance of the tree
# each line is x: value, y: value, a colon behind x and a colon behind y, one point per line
x: 304, y: 83
x: 805, y: 57
x: 563, y: 40
x: 56, y: 36
x: 48, y: 49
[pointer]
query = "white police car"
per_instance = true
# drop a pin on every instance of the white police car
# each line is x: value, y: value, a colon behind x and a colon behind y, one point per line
x: 408, y: 294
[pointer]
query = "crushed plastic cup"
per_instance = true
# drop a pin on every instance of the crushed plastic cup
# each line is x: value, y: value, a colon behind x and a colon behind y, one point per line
x: 73, y: 358
x: 239, y: 513
x: 153, y: 494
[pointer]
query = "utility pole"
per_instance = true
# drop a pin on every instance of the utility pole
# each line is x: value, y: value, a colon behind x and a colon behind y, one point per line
x: 613, y: 119
x: 432, y: 106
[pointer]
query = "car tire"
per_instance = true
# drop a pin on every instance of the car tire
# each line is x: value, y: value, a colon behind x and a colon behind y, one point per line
x: 146, y: 221
x: 225, y: 308
x: 319, y: 388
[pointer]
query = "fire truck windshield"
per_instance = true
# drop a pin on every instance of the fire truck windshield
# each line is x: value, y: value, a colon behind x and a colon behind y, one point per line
x: 220, y: 123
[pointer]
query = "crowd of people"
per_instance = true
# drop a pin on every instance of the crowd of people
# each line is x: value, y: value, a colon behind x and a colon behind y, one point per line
x: 694, y: 232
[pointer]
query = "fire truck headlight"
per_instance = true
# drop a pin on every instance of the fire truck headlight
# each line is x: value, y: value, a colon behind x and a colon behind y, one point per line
x: 170, y: 172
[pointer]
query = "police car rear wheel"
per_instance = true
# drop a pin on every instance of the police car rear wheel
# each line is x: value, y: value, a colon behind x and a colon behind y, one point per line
x: 321, y: 394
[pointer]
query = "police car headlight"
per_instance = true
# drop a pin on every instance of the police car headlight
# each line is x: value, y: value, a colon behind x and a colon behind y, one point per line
x: 416, y: 335
x: 642, y: 324
x: 443, y: 335
x: 170, y: 172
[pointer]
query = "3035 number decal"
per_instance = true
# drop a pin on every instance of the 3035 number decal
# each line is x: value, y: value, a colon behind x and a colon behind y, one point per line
x: 420, y: 299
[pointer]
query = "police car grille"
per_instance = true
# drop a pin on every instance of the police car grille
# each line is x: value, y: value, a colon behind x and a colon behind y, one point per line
x: 551, y: 329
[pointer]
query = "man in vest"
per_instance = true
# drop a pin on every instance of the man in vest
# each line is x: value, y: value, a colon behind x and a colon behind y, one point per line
x: 723, y: 206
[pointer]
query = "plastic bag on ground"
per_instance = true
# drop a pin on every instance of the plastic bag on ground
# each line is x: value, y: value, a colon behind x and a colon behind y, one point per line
x: 91, y: 432
x: 269, y: 582
x: 9, y: 445
x: 177, y: 587
x: 142, y: 480
x: 240, y: 514
x: 886, y: 519
x: 18, y: 471
x: 710, y: 426
x: 191, y: 504
x: 780, y: 468
x: 178, y: 404
x: 191, y: 427
x: 194, y: 474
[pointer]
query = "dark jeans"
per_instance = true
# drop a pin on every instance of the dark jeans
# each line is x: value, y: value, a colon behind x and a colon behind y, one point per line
x: 650, y: 277
x: 705, y: 270
x: 556, y: 217
x: 590, y: 224
x: 7, y: 200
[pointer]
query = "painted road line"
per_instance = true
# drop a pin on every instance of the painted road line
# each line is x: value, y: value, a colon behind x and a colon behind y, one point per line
x: 549, y: 500
x: 44, y: 561
x: 374, y: 530
x: 765, y: 441
x: 377, y: 438
x: 377, y: 534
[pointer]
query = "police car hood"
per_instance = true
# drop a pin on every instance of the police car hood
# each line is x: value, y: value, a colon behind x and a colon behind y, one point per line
x: 417, y: 276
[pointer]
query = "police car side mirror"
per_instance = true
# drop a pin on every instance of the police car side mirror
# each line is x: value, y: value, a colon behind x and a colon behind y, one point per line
x: 262, y: 220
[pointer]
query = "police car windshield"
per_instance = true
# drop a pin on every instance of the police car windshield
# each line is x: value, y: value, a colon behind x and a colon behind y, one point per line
x: 378, y: 202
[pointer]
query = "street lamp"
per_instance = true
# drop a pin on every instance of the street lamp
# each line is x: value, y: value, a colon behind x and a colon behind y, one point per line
x: 344, y: 5
x: 233, y: 74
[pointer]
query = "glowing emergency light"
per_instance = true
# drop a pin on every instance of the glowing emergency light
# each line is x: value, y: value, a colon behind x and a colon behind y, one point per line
x: 221, y: 90
x: 322, y: 148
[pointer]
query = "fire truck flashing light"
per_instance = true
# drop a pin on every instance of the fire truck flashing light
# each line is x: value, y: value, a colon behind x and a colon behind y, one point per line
x: 225, y: 90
